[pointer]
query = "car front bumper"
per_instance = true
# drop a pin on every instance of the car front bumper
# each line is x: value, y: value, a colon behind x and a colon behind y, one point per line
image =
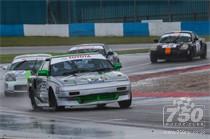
x: 15, y: 86
x: 175, y: 53
x: 96, y: 94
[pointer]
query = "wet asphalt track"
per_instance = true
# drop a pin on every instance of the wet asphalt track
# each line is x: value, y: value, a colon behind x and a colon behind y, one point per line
x: 143, y: 119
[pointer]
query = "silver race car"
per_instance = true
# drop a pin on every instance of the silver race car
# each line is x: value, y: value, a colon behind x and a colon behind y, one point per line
x: 78, y: 80
x: 21, y: 68
x: 103, y: 49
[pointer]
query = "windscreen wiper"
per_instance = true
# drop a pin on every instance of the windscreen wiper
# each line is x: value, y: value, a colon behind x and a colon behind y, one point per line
x: 70, y: 72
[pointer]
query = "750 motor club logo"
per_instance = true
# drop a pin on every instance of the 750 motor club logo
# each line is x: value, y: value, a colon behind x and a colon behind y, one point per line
x: 184, y: 113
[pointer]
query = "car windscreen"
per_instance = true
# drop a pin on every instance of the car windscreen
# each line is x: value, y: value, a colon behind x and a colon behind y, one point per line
x: 100, y: 51
x: 26, y: 65
x: 70, y: 67
x: 173, y: 38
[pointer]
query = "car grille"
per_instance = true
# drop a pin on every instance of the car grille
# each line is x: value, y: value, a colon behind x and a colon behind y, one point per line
x: 97, y: 97
x: 20, y: 87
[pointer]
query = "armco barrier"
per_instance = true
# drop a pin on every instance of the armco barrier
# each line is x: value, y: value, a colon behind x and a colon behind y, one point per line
x: 83, y: 29
x: 11, y: 30
x: 61, y: 30
x: 104, y: 29
x: 108, y: 29
x: 200, y: 27
x: 159, y: 28
x: 135, y: 29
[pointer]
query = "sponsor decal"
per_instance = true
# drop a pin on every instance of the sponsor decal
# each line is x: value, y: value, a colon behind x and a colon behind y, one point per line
x: 75, y: 57
x: 79, y: 57
x: 169, y: 46
x: 184, y: 114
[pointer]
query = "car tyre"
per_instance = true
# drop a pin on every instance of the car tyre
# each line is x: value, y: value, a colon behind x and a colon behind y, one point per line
x: 190, y: 56
x: 6, y: 94
x: 126, y: 103
x: 33, y: 100
x: 153, y: 58
x: 204, y: 54
x: 101, y: 106
x: 52, y: 101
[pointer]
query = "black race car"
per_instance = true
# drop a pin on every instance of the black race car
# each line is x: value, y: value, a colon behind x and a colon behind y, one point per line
x: 183, y: 44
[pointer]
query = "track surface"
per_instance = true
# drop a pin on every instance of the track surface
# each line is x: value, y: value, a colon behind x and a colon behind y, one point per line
x: 62, y: 49
x: 145, y: 112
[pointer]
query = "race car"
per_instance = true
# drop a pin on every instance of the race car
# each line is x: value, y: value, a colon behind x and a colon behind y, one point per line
x: 96, y: 47
x: 76, y: 80
x: 21, y: 68
x: 182, y: 44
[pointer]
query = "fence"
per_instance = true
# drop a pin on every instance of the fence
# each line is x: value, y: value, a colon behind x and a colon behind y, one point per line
x: 104, y: 29
x: 103, y: 11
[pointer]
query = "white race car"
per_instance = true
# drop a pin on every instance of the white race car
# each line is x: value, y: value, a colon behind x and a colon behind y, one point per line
x: 100, y: 48
x: 78, y: 80
x: 20, y: 70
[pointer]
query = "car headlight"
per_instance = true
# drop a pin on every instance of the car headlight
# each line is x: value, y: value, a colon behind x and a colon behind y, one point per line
x: 184, y: 47
x: 154, y: 47
x: 10, y: 77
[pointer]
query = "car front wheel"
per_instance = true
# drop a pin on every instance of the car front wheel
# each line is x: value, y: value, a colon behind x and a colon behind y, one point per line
x: 52, y: 101
x: 190, y: 56
x: 204, y: 54
x: 33, y: 100
x: 126, y: 103
x: 153, y: 58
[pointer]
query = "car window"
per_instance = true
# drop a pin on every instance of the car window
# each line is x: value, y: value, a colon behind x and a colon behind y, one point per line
x: 26, y: 65
x: 45, y: 66
x: 171, y: 38
x: 79, y: 66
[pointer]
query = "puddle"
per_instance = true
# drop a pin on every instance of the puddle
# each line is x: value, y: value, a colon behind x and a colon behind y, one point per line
x: 53, y: 127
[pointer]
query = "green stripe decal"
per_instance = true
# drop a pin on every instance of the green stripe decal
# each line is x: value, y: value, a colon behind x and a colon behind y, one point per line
x: 28, y: 74
x: 97, y: 97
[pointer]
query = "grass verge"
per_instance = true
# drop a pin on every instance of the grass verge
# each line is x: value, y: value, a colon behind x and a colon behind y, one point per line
x: 54, y: 41
x: 7, y: 58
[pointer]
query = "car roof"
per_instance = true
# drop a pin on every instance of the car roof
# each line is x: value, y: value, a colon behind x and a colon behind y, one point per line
x: 88, y: 46
x: 76, y: 56
x: 32, y: 55
x: 29, y: 57
x: 65, y: 55
x: 183, y: 31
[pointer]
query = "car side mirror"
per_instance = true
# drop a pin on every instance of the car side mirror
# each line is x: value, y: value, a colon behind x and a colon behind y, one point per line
x: 117, y: 66
x: 43, y: 73
x: 195, y: 39
x: 155, y: 41
x: 110, y: 53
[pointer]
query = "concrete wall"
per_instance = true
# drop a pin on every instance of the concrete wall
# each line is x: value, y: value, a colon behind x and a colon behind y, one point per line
x: 136, y: 29
x: 85, y: 29
x: 157, y: 29
x: 201, y: 28
x: 11, y: 30
x: 149, y: 28
x: 46, y: 30
x: 108, y: 29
